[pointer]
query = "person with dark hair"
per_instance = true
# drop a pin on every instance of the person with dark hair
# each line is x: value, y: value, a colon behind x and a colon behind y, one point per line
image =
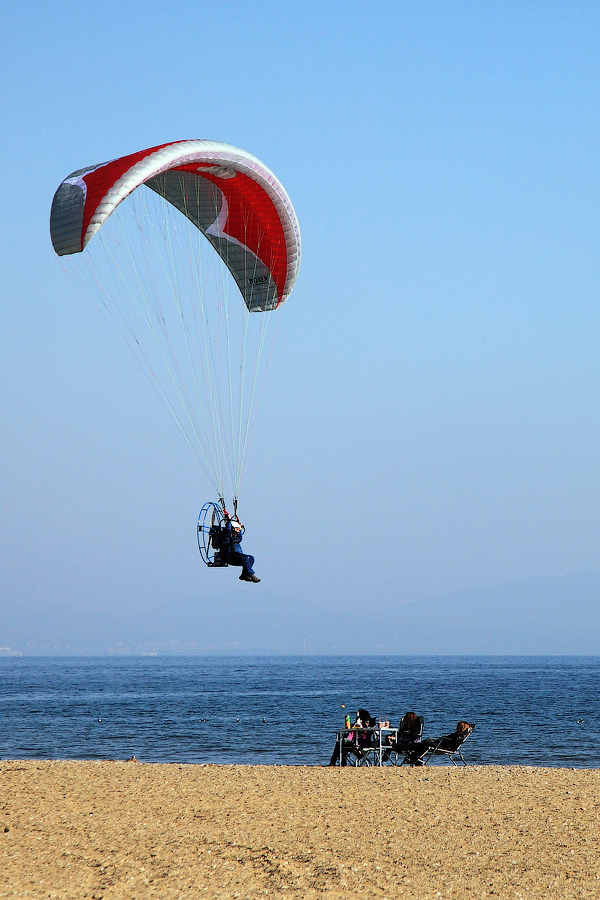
x: 357, y: 739
x: 408, y: 736
x: 449, y: 742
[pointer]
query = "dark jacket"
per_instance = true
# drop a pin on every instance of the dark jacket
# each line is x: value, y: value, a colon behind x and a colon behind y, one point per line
x: 230, y: 540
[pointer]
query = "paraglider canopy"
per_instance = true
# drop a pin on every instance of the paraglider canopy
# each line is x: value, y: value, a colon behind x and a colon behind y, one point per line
x: 172, y: 236
x: 235, y: 201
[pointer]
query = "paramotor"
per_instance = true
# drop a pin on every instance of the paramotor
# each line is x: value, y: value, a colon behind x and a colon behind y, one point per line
x: 196, y: 247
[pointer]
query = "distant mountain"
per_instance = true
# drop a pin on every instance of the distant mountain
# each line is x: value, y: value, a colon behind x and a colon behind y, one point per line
x: 558, y: 615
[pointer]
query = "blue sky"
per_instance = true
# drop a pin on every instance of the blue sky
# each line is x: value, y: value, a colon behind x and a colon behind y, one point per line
x: 430, y: 426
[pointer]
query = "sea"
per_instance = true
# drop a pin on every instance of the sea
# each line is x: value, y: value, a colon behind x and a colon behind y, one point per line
x: 528, y: 711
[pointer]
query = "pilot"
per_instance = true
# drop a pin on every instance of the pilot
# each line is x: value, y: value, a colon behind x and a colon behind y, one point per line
x: 231, y: 553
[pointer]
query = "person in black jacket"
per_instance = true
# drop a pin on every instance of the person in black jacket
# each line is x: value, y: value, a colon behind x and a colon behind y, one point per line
x: 356, y: 740
x: 408, y: 737
x: 230, y: 553
x: 448, y: 742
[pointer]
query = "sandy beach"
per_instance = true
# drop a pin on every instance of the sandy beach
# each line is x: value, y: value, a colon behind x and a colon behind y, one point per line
x: 132, y: 830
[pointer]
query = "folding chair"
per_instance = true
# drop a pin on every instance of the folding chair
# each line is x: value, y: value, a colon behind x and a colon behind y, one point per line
x: 404, y: 742
x: 450, y: 745
x: 366, y: 752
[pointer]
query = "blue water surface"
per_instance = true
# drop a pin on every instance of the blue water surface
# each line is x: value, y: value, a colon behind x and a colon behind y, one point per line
x: 542, y: 711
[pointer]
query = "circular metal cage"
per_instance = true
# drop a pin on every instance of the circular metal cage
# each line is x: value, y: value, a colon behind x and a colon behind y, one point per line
x: 210, y: 521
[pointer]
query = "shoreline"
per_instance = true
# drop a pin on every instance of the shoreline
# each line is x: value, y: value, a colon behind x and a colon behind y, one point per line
x: 103, y: 829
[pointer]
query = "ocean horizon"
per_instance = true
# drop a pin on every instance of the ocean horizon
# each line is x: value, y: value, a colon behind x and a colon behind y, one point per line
x: 528, y: 710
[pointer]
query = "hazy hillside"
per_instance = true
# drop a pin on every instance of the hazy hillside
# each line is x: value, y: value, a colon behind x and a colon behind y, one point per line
x: 537, y: 615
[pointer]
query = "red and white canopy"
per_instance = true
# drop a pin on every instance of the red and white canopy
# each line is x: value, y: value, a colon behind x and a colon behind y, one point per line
x: 235, y: 201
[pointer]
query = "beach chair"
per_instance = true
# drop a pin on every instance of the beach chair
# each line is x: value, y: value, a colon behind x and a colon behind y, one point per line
x: 367, y: 749
x: 449, y: 746
x: 359, y: 757
x: 409, y: 739
x: 372, y: 753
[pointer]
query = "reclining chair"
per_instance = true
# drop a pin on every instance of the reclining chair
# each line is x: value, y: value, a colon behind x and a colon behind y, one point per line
x: 449, y: 745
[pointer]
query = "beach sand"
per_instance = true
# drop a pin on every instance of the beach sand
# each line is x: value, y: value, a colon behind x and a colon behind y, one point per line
x: 133, y: 830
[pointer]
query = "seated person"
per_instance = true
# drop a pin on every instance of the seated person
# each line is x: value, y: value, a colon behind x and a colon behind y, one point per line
x: 409, y: 734
x: 356, y: 740
x: 228, y: 542
x: 449, y: 742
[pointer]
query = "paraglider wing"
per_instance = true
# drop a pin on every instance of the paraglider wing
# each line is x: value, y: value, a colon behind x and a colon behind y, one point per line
x: 229, y: 195
x: 201, y: 223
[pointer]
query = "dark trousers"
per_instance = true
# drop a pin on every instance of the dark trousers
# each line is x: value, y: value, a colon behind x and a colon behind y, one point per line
x: 448, y: 742
x: 244, y: 560
x: 347, y: 747
x: 401, y: 747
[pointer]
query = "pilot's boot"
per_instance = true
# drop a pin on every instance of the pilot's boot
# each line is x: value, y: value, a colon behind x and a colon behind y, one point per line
x: 245, y: 576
